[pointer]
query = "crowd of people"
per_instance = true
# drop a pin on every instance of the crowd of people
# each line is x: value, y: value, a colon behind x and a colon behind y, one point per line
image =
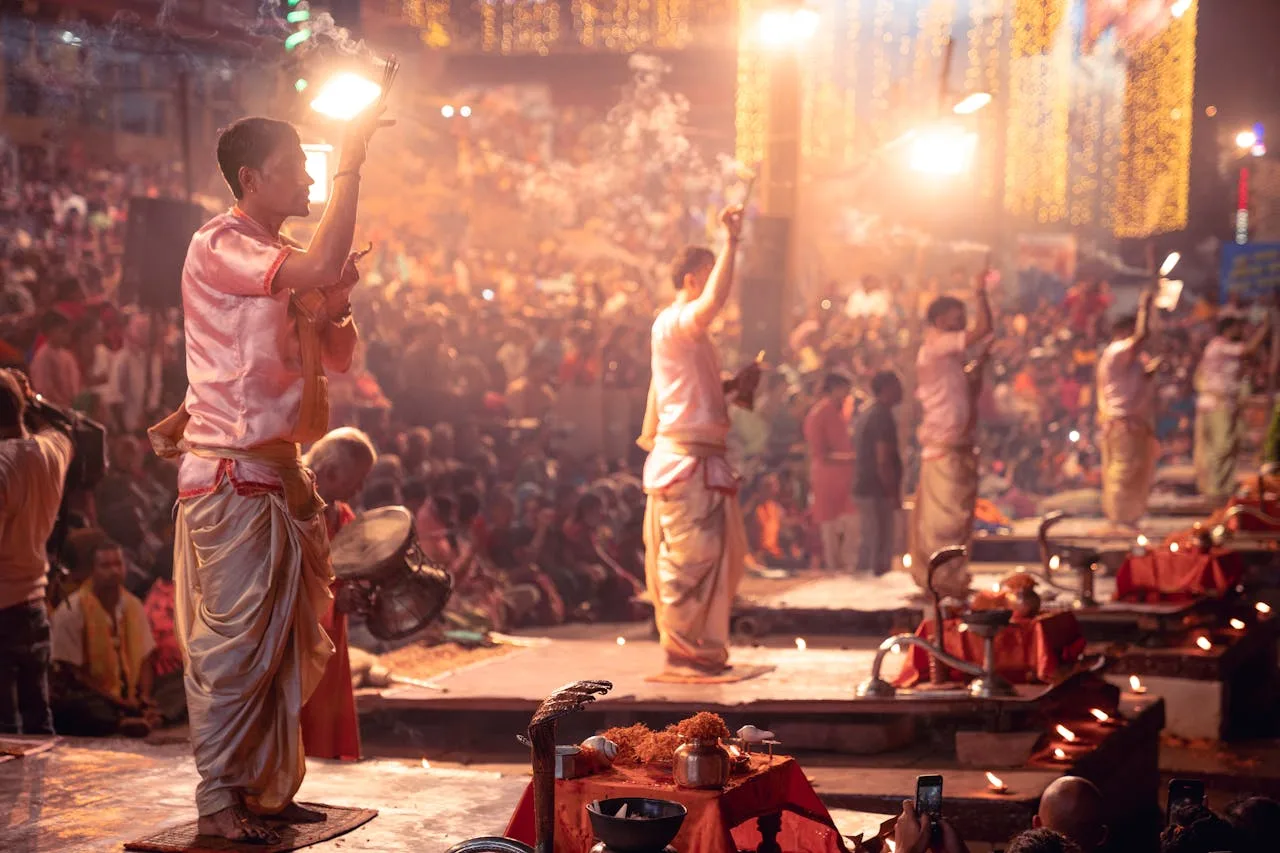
x: 1071, y: 819
x: 479, y: 368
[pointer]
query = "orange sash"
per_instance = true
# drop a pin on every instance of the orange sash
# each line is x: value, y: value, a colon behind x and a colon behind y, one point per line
x: 101, y: 657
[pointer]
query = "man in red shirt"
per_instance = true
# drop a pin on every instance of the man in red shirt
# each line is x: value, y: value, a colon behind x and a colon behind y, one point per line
x: 831, y: 468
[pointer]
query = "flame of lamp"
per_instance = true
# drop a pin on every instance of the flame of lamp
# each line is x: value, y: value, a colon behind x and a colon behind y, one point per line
x: 995, y: 783
x: 1059, y: 754
x: 1237, y: 624
x: 345, y: 96
x: 801, y: 644
x: 1100, y: 716
x: 1066, y: 733
x: 1262, y: 607
x: 1135, y: 684
x: 1204, y: 644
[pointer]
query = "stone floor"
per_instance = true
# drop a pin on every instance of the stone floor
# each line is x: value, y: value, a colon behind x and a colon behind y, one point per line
x: 94, y: 795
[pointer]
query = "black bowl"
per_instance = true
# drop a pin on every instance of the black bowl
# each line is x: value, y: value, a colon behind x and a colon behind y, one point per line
x: 657, y: 823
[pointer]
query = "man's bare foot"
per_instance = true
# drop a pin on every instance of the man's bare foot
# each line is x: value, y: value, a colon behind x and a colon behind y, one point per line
x: 294, y: 813
x: 236, y: 823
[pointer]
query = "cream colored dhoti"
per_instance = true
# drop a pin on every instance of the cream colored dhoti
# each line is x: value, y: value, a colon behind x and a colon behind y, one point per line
x: 252, y: 582
x: 1217, y: 446
x: 1128, y: 448
x: 695, y: 547
x: 943, y: 516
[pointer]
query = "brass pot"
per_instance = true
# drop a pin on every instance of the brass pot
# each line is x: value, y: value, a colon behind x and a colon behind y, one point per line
x: 702, y: 763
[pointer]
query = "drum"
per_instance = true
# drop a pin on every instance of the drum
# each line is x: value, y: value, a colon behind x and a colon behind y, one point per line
x: 399, y: 591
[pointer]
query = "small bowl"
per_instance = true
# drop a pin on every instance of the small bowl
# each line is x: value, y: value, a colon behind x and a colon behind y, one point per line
x: 657, y: 822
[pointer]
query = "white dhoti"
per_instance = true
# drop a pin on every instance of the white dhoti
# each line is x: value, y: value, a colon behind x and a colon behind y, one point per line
x: 695, y: 552
x: 252, y: 582
x: 943, y: 516
x: 1128, y: 448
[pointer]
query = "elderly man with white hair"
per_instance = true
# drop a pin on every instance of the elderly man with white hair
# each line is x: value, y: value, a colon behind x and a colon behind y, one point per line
x: 341, y: 461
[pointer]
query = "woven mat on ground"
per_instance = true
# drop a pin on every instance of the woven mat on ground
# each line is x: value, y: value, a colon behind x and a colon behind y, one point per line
x: 294, y: 836
x: 739, y: 672
x: 20, y: 746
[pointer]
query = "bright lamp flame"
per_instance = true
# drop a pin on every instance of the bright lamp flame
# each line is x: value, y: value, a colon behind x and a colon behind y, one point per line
x: 345, y: 96
x: 1142, y: 541
x: 1180, y: 8
x: 1238, y: 624
x: 995, y: 781
x: 1204, y: 644
x: 944, y: 150
x: 1169, y: 263
x: 801, y: 644
x: 1246, y: 139
x: 1066, y: 733
x: 426, y: 765
x: 1262, y: 607
x: 972, y: 104
x: 784, y: 28
x: 622, y: 641
x: 1173, y: 547
x: 1135, y: 684
x: 1100, y: 716
x: 1054, y: 562
x: 1059, y: 754
x: 906, y: 561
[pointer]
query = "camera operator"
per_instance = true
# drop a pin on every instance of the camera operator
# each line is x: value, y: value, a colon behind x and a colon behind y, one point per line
x: 33, y: 467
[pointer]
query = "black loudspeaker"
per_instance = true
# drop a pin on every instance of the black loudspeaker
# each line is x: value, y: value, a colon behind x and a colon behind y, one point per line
x: 155, y: 246
x: 762, y: 287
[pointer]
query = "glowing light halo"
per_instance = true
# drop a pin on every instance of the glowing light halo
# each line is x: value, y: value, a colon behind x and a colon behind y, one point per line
x: 345, y: 95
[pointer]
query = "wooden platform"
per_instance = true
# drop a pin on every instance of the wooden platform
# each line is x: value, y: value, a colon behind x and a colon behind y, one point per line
x: 1022, y: 545
x: 866, y: 607
x: 93, y: 795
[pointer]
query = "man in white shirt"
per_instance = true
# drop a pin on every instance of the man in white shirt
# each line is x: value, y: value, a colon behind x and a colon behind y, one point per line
x: 1126, y: 419
x: 948, y: 490
x: 1218, y: 389
x: 32, y: 471
x: 694, y: 537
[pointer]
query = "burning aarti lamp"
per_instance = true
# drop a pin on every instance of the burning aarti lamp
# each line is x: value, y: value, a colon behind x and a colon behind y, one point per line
x: 1136, y: 686
x: 995, y: 784
x: 344, y: 96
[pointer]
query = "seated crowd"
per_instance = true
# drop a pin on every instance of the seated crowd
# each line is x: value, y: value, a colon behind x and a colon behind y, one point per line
x: 1070, y: 819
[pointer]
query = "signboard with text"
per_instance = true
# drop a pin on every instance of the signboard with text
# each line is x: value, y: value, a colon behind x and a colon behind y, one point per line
x: 1251, y: 270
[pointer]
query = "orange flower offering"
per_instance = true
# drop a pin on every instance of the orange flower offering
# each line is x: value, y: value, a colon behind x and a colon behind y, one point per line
x: 639, y: 744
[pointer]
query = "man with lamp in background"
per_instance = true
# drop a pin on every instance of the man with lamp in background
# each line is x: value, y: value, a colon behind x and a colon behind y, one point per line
x: 694, y: 537
x: 264, y: 320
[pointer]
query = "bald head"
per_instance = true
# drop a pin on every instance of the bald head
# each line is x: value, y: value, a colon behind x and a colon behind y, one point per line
x: 1073, y: 807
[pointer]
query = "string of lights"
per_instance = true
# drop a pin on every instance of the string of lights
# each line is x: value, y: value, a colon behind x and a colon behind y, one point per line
x: 1154, y: 172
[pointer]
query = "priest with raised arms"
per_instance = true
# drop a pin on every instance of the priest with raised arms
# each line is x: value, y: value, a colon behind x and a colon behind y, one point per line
x: 265, y: 319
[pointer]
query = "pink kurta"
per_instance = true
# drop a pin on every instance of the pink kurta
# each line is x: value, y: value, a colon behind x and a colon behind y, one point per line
x: 244, y: 367
x: 690, y: 405
x: 826, y: 429
x: 56, y: 375
x: 943, y: 391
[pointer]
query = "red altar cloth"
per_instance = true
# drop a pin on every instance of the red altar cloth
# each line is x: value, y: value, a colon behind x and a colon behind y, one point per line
x: 1162, y: 575
x: 718, y: 821
x: 1027, y: 651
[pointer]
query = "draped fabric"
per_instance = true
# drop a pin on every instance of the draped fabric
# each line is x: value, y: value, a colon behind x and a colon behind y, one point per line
x: 330, y: 725
x: 1217, y: 446
x: 695, y: 550
x: 112, y: 670
x: 945, y: 502
x: 1128, y: 448
x: 252, y: 582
